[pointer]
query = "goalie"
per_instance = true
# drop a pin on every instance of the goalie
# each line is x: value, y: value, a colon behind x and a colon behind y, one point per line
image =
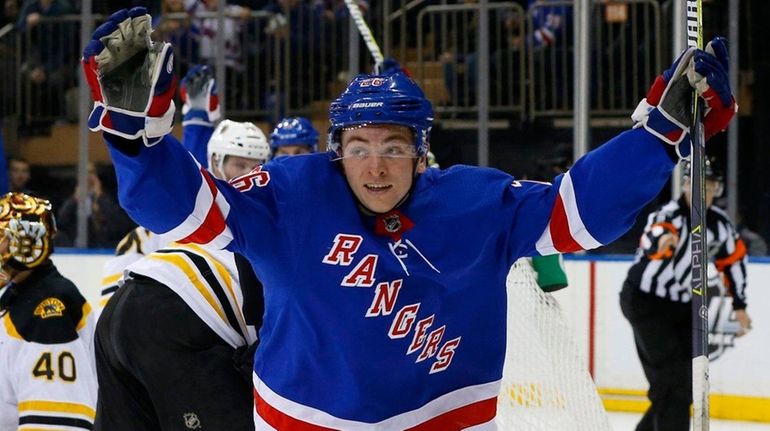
x: 47, y: 375
x: 384, y: 281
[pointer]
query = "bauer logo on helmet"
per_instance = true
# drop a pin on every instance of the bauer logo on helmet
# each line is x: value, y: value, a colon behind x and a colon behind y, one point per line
x: 366, y: 105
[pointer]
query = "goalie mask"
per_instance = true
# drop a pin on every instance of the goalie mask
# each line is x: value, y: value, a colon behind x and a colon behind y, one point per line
x: 390, y: 98
x: 28, y: 226
x: 240, y: 139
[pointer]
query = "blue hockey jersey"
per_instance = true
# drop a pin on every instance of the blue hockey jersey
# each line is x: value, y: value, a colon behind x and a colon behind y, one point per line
x: 394, y: 322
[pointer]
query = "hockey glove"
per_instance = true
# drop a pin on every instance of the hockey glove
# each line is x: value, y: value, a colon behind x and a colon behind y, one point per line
x: 666, y: 112
x: 711, y: 78
x: 131, y: 78
x: 198, y: 91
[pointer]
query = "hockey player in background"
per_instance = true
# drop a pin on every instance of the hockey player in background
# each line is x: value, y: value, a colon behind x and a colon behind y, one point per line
x: 656, y: 298
x: 384, y: 281
x: 47, y: 375
x: 174, y: 347
x: 293, y: 136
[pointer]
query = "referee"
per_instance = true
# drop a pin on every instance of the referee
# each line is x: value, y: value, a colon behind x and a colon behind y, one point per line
x: 656, y: 298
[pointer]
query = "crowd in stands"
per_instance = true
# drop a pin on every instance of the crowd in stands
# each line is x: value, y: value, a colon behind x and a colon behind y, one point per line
x: 314, y: 31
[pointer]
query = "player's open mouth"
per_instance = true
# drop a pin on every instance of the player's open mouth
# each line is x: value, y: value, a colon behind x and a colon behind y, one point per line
x: 378, y: 188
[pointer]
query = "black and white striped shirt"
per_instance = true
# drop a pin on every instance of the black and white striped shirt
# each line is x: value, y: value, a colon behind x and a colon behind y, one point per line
x: 666, y: 273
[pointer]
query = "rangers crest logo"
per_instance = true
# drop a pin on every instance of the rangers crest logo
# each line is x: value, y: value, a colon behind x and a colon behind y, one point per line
x: 392, y: 223
x: 191, y: 421
x: 49, y: 307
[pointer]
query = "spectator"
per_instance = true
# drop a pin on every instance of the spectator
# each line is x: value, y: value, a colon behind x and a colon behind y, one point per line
x: 49, y: 65
x: 292, y: 30
x: 107, y: 222
x: 550, y: 23
x: 506, y: 44
x: 207, y: 30
x: 205, y: 27
x: 18, y: 175
x: 10, y: 12
x: 177, y: 31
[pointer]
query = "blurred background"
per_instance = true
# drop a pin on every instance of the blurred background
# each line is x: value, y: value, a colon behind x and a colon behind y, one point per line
x: 291, y: 57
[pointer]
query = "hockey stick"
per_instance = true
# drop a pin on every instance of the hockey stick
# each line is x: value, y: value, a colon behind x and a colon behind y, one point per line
x: 366, y: 34
x: 700, y: 359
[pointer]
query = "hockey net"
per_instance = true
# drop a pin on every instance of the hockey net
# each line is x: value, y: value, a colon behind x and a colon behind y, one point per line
x: 546, y: 384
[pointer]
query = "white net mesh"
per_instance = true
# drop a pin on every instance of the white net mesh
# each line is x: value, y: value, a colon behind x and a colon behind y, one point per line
x: 546, y: 385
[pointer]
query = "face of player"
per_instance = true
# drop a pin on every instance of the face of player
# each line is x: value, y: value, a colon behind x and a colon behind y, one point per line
x: 291, y: 150
x: 379, y: 164
x: 18, y: 174
x: 235, y: 166
x: 712, y: 187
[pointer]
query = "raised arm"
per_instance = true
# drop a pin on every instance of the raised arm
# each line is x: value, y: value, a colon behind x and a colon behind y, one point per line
x: 592, y: 204
x: 200, y: 110
x: 598, y: 200
x: 160, y: 184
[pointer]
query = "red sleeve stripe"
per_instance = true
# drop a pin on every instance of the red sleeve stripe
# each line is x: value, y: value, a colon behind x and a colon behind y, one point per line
x: 565, y: 231
x: 458, y: 410
x: 206, y: 225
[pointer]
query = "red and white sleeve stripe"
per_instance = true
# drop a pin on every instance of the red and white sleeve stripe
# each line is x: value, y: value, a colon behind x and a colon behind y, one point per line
x: 565, y: 232
x: 206, y: 224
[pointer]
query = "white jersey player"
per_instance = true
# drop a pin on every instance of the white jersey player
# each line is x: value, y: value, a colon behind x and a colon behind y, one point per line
x: 47, y: 375
x: 188, y: 378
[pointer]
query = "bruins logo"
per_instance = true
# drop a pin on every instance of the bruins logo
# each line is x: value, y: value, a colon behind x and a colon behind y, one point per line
x: 50, y: 307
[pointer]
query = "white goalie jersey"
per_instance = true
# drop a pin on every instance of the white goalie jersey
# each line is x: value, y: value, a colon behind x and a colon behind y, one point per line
x: 47, y: 372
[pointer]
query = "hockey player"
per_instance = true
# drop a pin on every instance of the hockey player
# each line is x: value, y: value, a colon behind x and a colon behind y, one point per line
x: 235, y: 150
x: 47, y: 377
x: 656, y: 298
x: 384, y: 281
x: 293, y: 136
x: 203, y: 289
x: 171, y: 341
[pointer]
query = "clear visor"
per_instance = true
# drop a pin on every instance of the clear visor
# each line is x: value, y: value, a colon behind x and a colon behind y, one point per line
x: 389, y: 151
x: 392, y: 148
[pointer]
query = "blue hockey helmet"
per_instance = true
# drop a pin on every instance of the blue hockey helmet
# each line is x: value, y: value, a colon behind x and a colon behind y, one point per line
x: 390, y: 98
x: 294, y: 131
